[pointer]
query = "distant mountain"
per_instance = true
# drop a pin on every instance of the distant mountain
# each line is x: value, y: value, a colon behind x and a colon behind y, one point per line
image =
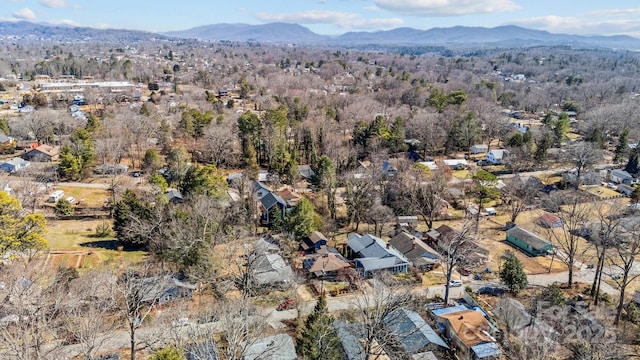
x: 509, y: 35
x: 267, y: 33
x: 32, y: 31
x: 285, y: 33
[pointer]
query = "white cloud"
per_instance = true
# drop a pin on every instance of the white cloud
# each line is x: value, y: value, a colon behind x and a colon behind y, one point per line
x: 310, y: 17
x: 345, y: 20
x: 446, y: 7
x: 25, y: 14
x: 56, y: 4
x: 583, y: 24
x: 614, y: 12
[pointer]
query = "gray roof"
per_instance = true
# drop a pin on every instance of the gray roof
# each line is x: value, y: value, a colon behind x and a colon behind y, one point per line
x: 271, y: 268
x: 277, y: 347
x: 306, y: 171
x: 4, y: 138
x: 270, y: 200
x: 265, y: 245
x: 424, y: 356
x: 486, y: 350
x: 350, y: 342
x: 527, y: 237
x: 369, y: 246
x: 412, y: 331
x: 621, y: 174
x: 412, y: 247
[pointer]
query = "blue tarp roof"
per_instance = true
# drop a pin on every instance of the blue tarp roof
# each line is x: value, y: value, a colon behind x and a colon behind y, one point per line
x: 449, y: 310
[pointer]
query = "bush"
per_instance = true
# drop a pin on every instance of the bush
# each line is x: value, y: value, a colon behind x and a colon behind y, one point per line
x: 104, y: 230
x: 64, y: 208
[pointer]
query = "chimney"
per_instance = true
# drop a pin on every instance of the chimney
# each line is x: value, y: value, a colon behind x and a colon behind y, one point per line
x: 388, y: 246
x: 461, y: 317
x: 413, y: 245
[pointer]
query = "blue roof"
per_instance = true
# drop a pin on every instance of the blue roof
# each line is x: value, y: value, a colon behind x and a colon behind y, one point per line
x: 486, y: 350
x: 449, y: 310
x: 412, y: 331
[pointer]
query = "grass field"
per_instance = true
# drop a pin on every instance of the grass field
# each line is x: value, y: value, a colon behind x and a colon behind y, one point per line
x: 79, y: 235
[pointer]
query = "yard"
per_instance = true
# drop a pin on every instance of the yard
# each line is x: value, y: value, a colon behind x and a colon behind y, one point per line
x: 74, y: 243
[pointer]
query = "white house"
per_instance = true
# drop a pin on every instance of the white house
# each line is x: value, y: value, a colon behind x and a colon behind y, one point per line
x: 431, y: 165
x: 495, y: 156
x: 14, y: 165
x: 456, y: 164
x: 479, y: 149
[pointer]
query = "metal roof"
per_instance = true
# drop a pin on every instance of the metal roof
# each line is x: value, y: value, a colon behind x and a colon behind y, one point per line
x: 486, y: 350
x: 412, y: 331
x: 529, y: 238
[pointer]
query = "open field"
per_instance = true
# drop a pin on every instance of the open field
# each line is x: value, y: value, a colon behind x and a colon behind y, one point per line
x: 71, y: 239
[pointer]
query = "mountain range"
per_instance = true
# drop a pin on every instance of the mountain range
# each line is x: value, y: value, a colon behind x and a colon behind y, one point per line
x: 286, y: 33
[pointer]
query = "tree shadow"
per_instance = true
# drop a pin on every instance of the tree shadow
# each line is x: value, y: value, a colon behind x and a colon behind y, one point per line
x: 109, y: 245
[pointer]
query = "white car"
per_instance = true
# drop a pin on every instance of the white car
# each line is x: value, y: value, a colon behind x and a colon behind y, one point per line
x: 455, y: 283
x: 71, y: 199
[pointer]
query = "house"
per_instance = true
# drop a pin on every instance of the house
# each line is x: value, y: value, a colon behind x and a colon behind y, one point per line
x: 420, y: 254
x: 388, y: 169
x: 529, y: 242
x: 431, y: 165
x: 313, y: 242
x: 291, y: 197
x: 111, y: 169
x: 495, y: 156
x: 268, y: 202
x: 470, y: 333
x: 306, y: 172
x: 479, y: 149
x: 165, y: 289
x: 620, y: 177
x: 326, y: 265
x: 223, y: 92
x: 276, y: 347
x: 266, y: 245
x: 270, y: 269
x: 373, y: 254
x: 456, y: 164
x: 173, y: 196
x: 6, y: 141
x: 43, y: 153
x: 410, y: 220
x: 413, y: 333
x: 350, y: 341
x: 550, y: 221
x: 622, y: 189
x: 13, y: 165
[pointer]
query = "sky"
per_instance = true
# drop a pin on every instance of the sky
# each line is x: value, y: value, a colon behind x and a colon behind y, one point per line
x: 330, y: 17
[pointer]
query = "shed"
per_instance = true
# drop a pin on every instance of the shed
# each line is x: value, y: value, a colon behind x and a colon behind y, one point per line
x: 479, y: 149
x: 529, y: 242
x: 550, y: 221
x: 625, y: 189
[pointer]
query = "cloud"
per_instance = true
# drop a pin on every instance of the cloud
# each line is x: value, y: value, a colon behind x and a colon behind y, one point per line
x: 613, y: 12
x: 64, y: 22
x: 310, y: 17
x: 55, y: 4
x: 25, y: 14
x: 433, y: 8
x: 583, y: 24
x: 345, y: 20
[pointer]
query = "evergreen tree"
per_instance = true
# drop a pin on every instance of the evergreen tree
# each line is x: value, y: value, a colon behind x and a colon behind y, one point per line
x: 64, y: 208
x: 319, y: 339
x: 512, y: 273
x: 302, y: 219
x: 125, y: 211
x: 621, y: 148
x: 633, y: 165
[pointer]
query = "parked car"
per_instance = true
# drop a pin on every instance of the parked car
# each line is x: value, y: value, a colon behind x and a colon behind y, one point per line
x: 455, y: 283
x: 286, y: 304
x: 71, y: 199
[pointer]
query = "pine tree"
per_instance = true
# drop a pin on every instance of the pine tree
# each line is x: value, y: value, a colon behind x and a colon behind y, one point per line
x: 319, y: 339
x: 512, y: 273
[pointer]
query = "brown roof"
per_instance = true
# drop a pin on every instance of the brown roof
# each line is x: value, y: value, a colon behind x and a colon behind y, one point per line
x: 470, y: 326
x: 317, y: 236
x: 410, y: 246
x: 48, y: 150
x: 289, y: 195
x: 328, y: 262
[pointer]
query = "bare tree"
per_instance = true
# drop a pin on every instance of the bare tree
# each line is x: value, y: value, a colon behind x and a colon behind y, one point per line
x: 240, y: 328
x: 623, y: 257
x: 575, y: 212
x: 379, y: 215
x: 456, y: 247
x: 584, y: 156
x: 373, y: 306
x: 88, y: 313
x: 603, y: 234
x: 136, y: 295
x: 426, y: 196
x: 518, y: 196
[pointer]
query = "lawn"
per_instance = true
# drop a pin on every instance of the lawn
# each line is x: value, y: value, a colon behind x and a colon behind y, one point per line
x: 603, y: 192
x: 87, y: 197
x: 461, y: 174
x: 76, y: 235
